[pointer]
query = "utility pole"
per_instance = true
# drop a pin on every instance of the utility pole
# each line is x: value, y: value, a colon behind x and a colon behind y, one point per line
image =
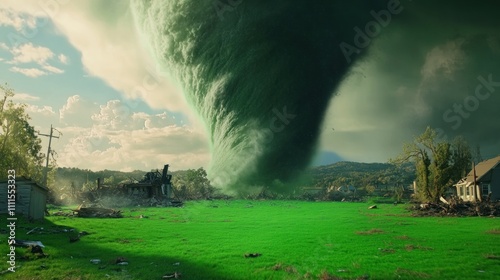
x: 48, y: 152
x: 475, y: 182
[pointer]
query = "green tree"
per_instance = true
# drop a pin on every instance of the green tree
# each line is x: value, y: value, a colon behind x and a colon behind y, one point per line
x: 438, y: 164
x: 19, y: 145
x: 110, y: 181
x: 193, y: 184
x: 462, y: 158
x: 476, y: 155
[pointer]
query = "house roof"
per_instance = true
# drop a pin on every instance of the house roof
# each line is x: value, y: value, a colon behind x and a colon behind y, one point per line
x: 24, y: 180
x: 482, y: 168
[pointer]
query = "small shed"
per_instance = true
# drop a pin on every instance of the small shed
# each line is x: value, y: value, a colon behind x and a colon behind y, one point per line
x: 31, y: 198
x: 487, y: 182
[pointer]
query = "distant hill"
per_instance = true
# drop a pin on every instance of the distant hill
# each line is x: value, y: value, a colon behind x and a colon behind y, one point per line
x: 362, y: 174
x: 348, y: 166
x: 326, y: 158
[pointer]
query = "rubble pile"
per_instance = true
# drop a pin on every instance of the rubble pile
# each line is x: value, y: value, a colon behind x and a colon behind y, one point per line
x: 92, y: 212
x: 457, y: 207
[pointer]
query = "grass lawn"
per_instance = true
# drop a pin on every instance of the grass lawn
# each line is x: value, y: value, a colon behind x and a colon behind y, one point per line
x: 297, y: 240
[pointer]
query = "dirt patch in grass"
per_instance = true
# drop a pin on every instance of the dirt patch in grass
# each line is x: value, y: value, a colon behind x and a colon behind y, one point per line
x: 411, y: 273
x: 277, y: 266
x: 370, y: 232
x: 387, y: 250
x: 405, y: 224
x: 411, y: 247
x: 402, y: 237
x: 492, y: 257
x: 289, y: 269
x: 327, y: 276
x: 494, y: 231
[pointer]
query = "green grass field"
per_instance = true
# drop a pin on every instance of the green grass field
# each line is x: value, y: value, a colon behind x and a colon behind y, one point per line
x: 297, y: 240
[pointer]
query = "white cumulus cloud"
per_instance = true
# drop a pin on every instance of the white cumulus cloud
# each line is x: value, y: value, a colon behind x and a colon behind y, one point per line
x: 77, y: 112
x: 52, y: 69
x: 27, y: 53
x: 18, y: 21
x: 24, y: 97
x: 63, y: 59
x: 30, y: 72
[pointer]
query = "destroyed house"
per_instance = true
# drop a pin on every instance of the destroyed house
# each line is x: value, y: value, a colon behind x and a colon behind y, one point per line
x: 31, y: 198
x: 487, y: 182
x: 153, y: 185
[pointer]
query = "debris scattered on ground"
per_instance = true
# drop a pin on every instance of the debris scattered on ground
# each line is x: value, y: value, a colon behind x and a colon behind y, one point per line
x: 73, y: 239
x: 253, y: 255
x: 97, y: 212
x: 52, y: 230
x: 28, y: 243
x: 36, y: 249
x: 373, y: 207
x: 175, y: 275
x: 61, y: 213
x: 457, y: 207
x: 77, y: 237
x: 177, y: 263
x: 95, y: 261
x: 121, y: 260
x: 29, y: 232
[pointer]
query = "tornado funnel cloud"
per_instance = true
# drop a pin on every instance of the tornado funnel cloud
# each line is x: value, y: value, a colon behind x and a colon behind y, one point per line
x: 259, y: 73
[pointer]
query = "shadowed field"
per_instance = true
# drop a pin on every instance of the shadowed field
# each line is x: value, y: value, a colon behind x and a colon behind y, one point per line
x: 296, y: 240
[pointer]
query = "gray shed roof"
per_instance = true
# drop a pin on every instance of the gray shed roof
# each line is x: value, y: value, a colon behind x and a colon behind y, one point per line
x: 24, y: 180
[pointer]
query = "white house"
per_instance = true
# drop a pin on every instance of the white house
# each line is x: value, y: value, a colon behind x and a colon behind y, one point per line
x: 487, y: 182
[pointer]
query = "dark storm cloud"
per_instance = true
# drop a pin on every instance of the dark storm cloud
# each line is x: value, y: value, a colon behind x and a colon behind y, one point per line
x: 424, y: 69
